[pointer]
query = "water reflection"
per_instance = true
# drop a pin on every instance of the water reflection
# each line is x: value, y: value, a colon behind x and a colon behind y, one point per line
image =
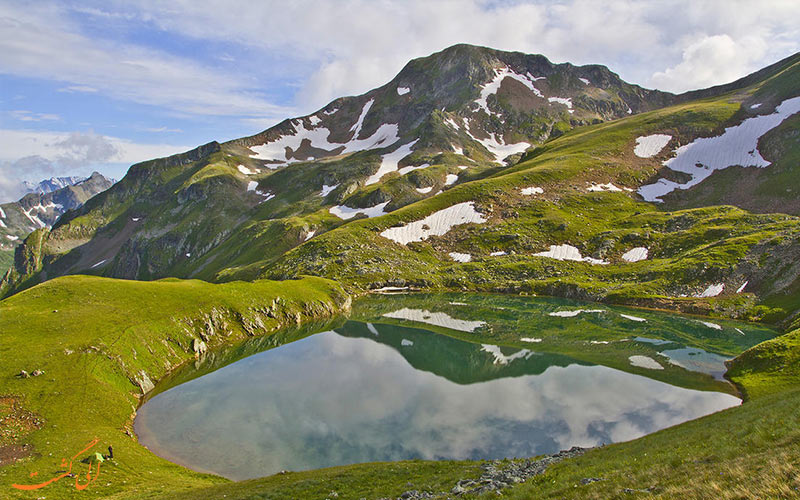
x: 386, y: 392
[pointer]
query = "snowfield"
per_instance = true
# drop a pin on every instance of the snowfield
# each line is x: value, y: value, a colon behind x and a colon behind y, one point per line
x: 460, y: 257
x: 567, y: 252
x: 436, y: 319
x: 645, y: 362
x: 566, y: 101
x: 635, y: 254
x: 326, y: 190
x: 493, y: 86
x: 738, y: 145
x: 344, y: 212
x: 386, y: 135
x: 572, y: 314
x: 648, y: 146
x: 436, y: 224
x: 502, y: 359
x: 603, y: 187
x: 713, y: 290
x: 497, y: 146
x: 389, y: 162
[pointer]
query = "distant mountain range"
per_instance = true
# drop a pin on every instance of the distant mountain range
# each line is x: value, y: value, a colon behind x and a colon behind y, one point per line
x: 42, y: 207
x: 51, y: 184
x: 476, y: 169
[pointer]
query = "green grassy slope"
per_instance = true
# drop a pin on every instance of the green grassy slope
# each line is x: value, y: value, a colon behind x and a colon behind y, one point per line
x: 689, y: 249
x: 97, y: 341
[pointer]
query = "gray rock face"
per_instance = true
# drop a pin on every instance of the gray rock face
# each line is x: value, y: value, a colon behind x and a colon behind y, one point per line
x: 498, y: 475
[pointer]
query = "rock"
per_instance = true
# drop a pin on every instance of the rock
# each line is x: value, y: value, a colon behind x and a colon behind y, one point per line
x: 199, y: 347
x: 145, y: 384
x: 589, y: 480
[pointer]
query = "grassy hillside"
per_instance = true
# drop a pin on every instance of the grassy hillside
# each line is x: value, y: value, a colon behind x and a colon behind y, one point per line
x: 101, y: 343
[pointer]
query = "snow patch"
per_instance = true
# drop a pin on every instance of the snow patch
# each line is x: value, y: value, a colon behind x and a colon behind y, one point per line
x: 315, y: 120
x: 528, y: 191
x: 372, y: 329
x: 283, y: 146
x: 712, y: 325
x: 497, y: 254
x: 436, y: 319
x: 645, y: 362
x: 406, y: 343
x: 633, y: 318
x: 567, y: 252
x: 326, y: 190
x: 136, y: 219
x: 498, y: 147
x: 635, y: 254
x: 460, y: 257
x: 252, y: 185
x: 493, y: 85
x: 12, y: 237
x: 99, y: 263
x: 530, y: 339
x: 403, y: 90
x: 450, y: 179
x: 502, y: 359
x: 566, y: 101
x: 310, y: 235
x: 3, y: 224
x: 462, y: 167
x: 425, y: 190
x: 756, y: 105
x: 584, y: 80
x: 245, y: 170
x: 741, y: 288
x: 457, y: 150
x: 344, y: 212
x: 738, y: 145
x: 572, y: 314
x: 712, y: 290
x: 603, y: 187
x: 389, y: 162
x: 435, y: 224
x: 334, y: 110
x: 2, y: 214
x: 648, y: 146
x: 411, y: 168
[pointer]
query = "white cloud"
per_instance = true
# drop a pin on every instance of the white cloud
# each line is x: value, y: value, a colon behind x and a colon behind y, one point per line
x: 29, y: 116
x: 711, y: 60
x: 33, y: 155
x: 357, y: 45
x: 38, y: 42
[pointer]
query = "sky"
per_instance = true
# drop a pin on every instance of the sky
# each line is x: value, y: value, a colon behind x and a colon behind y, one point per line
x: 100, y: 85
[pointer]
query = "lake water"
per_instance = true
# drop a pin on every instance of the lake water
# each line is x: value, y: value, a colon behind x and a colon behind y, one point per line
x: 424, y: 380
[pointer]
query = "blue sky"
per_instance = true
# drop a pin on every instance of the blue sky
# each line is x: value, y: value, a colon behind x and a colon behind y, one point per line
x: 99, y: 85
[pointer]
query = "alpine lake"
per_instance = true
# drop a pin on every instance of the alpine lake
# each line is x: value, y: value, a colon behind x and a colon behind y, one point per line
x: 442, y: 376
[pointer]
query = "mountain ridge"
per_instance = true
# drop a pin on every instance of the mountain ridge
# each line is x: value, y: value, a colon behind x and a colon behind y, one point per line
x: 246, y: 208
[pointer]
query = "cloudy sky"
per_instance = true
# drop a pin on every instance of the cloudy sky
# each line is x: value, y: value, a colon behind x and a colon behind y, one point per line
x: 98, y: 85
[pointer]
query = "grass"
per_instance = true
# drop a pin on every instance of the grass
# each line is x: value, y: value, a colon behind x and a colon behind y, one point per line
x: 95, y: 337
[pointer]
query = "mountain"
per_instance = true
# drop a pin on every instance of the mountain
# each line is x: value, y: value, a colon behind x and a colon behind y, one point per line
x: 476, y: 169
x: 51, y: 184
x: 42, y: 209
